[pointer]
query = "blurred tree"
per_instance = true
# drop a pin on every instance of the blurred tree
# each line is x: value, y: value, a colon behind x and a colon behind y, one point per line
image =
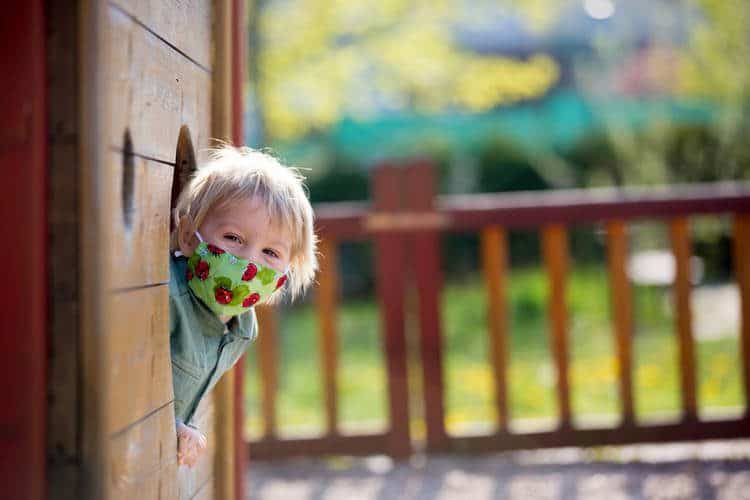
x: 322, y: 60
x: 710, y: 67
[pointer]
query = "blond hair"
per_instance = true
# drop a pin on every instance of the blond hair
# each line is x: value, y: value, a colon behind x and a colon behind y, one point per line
x: 236, y: 173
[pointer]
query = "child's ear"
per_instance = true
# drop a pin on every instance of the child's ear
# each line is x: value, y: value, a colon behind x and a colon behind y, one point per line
x: 186, y: 236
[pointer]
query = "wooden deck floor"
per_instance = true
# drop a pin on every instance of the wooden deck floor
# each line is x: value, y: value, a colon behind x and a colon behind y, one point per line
x: 709, y: 470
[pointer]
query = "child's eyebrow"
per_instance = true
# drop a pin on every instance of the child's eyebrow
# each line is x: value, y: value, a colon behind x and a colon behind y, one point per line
x: 281, y: 244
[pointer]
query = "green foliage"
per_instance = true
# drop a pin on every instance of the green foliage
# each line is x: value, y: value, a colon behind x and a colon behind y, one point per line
x: 343, y: 181
x: 506, y: 167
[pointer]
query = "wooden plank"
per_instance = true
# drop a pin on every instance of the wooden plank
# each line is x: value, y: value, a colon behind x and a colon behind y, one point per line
x: 665, y: 433
x: 268, y: 358
x: 555, y: 246
x: 420, y: 186
x: 140, y: 257
x: 577, y: 206
x: 742, y: 275
x: 184, y: 25
x: 240, y: 27
x: 680, y: 236
x: 144, y: 460
x: 494, y: 263
x: 96, y: 202
x: 224, y: 440
x: 191, y: 481
x: 140, y: 368
x: 274, y: 449
x: 63, y: 430
x: 153, y: 92
x: 622, y: 314
x: 23, y: 163
x: 327, y: 302
x: 63, y: 265
x: 390, y: 255
x: 221, y: 127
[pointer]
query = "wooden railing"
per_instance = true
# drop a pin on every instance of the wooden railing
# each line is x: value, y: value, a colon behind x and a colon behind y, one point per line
x: 405, y: 223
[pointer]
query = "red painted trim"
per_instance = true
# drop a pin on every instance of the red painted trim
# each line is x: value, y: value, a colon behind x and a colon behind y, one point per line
x: 238, y: 79
x: 23, y: 151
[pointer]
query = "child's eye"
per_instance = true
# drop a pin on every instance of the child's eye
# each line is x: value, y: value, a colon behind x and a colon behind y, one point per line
x: 232, y: 237
x: 271, y: 252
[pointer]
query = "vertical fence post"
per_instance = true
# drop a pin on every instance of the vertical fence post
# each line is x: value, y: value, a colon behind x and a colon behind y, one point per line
x: 556, y: 260
x: 390, y: 255
x: 268, y: 360
x: 742, y: 274
x: 238, y: 81
x: 494, y: 264
x: 622, y: 314
x: 679, y: 232
x: 326, y: 298
x: 426, y: 252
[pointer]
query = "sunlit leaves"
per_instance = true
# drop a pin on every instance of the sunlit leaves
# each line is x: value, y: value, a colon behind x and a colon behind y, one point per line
x: 322, y: 60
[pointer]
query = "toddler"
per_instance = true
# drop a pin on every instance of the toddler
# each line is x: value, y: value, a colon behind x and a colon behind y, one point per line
x: 243, y: 236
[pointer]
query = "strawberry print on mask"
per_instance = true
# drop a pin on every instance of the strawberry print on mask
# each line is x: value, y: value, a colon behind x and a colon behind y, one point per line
x: 227, y: 284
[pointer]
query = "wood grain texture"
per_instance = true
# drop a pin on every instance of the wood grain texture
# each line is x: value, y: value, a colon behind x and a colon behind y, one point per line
x: 140, y: 369
x: 192, y: 481
x: 96, y: 201
x: 185, y: 25
x: 63, y: 371
x: 154, y: 90
x: 140, y: 256
x: 144, y: 459
x: 221, y: 127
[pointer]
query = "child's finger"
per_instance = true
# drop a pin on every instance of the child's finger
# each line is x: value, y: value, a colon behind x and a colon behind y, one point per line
x: 192, y: 460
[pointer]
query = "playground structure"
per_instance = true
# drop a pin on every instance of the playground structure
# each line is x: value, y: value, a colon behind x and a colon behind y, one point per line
x: 109, y: 107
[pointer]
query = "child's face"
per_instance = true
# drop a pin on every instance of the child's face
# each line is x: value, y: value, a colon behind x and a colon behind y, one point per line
x: 245, y: 229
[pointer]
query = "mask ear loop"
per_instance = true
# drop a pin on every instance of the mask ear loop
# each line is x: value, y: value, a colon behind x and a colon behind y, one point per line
x: 178, y: 253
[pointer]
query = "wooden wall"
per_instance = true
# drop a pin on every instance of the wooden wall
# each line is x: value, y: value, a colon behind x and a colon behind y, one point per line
x: 126, y: 77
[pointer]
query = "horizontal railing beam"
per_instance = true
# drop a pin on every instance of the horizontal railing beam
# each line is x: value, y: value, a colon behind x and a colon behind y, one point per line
x: 539, y: 208
x: 354, y: 220
x: 652, y: 433
x: 359, y: 445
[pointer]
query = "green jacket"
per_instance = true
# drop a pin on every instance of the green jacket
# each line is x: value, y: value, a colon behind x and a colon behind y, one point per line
x: 203, y: 348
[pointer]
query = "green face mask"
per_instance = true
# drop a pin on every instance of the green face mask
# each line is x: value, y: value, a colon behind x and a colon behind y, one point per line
x: 227, y: 284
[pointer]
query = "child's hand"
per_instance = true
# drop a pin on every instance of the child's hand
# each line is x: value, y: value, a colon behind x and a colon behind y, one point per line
x: 190, y: 445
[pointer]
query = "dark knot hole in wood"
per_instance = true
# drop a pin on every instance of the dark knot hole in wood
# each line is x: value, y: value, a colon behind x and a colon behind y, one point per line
x: 128, y: 180
x: 184, y: 167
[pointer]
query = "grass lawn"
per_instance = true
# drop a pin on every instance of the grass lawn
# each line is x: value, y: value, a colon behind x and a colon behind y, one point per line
x: 468, y: 376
